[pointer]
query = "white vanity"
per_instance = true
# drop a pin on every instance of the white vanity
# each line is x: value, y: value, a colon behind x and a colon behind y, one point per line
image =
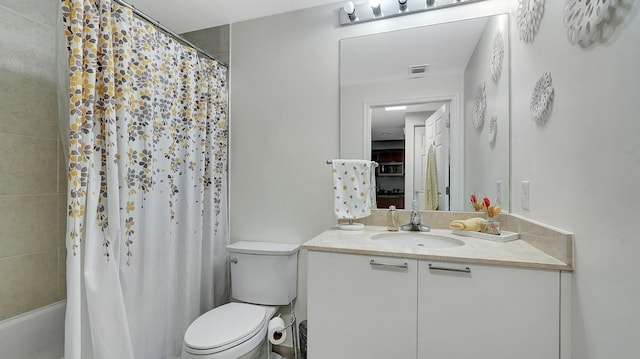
x: 479, y: 300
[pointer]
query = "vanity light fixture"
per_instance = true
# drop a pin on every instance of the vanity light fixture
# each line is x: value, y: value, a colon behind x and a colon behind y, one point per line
x: 350, y: 9
x: 402, y: 5
x: 376, y: 8
x: 361, y: 11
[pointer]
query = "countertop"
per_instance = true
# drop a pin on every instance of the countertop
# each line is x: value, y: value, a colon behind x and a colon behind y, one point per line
x: 516, y: 253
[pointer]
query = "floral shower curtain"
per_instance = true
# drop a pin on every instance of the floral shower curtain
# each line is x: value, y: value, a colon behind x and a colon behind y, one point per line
x: 147, y: 216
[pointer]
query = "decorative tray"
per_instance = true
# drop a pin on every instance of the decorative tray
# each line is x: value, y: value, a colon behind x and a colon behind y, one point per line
x: 504, y: 236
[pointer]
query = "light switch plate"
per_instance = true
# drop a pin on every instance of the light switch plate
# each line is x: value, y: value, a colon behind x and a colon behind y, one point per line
x: 524, y: 192
x: 499, y: 192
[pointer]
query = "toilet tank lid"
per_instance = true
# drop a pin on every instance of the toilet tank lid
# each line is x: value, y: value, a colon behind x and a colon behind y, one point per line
x: 270, y: 248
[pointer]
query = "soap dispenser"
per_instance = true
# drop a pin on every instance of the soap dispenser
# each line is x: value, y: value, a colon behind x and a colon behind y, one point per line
x: 393, y: 223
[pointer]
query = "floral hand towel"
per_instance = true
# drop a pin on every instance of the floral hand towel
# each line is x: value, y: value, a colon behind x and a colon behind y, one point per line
x: 354, y: 186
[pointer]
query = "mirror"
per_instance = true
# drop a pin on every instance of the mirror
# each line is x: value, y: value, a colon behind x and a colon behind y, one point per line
x: 431, y: 106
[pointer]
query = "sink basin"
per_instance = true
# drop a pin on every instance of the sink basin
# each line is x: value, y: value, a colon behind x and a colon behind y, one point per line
x: 416, y: 239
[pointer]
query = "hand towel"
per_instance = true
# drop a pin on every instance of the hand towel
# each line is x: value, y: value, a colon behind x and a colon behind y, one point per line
x: 431, y: 181
x: 354, y: 187
x: 471, y: 224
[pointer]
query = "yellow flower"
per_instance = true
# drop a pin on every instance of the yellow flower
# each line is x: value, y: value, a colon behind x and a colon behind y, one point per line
x: 77, y: 210
x: 130, y: 207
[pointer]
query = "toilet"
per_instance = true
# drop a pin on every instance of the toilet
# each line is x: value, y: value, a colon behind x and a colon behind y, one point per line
x: 263, y: 277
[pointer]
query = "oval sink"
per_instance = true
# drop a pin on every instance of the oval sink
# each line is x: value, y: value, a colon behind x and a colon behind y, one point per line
x: 416, y: 239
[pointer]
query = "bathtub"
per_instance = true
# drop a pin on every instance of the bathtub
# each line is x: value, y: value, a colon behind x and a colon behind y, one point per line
x: 38, y: 334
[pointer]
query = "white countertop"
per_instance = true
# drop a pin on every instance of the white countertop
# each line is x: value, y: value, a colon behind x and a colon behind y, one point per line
x: 515, y: 253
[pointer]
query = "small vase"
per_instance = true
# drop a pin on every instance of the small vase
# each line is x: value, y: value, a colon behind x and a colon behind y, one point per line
x: 492, y: 226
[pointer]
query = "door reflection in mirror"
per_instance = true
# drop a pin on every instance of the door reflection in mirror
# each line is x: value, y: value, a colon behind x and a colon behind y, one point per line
x: 401, y: 137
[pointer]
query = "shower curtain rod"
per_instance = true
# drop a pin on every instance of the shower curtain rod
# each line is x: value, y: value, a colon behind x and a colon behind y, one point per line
x: 167, y: 30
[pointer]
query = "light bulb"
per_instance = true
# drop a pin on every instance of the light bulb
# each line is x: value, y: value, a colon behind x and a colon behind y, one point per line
x: 402, y: 5
x: 375, y: 7
x: 350, y: 9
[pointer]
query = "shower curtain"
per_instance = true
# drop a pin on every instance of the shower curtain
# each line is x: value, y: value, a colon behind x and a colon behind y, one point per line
x: 147, y: 215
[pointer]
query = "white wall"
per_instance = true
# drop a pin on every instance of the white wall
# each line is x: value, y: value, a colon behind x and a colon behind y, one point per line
x: 584, y: 165
x: 487, y: 164
x: 584, y: 168
x: 284, y: 124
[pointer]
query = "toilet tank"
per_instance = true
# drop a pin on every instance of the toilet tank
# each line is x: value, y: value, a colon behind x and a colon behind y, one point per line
x: 264, y: 272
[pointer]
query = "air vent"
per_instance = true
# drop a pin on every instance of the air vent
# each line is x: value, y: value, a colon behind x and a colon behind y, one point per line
x: 418, y: 69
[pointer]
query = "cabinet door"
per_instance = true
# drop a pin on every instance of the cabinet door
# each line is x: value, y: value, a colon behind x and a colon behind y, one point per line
x: 361, y: 309
x: 488, y: 313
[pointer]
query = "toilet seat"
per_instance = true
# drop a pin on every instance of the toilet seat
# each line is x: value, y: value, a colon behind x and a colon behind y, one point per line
x: 224, y: 327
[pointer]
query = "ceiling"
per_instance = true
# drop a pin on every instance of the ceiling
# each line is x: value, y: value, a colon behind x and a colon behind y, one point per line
x: 189, y: 15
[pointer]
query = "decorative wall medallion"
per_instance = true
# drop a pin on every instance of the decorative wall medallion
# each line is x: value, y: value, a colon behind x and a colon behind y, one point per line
x: 542, y: 99
x: 497, y: 56
x: 493, y: 130
x: 584, y: 19
x: 479, y: 107
x: 529, y: 16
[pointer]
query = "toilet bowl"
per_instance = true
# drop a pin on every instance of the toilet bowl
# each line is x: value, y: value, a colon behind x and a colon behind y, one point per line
x: 263, y: 277
x: 231, y: 331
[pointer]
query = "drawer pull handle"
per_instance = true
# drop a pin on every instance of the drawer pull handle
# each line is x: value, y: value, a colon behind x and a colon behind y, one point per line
x: 465, y: 270
x: 393, y: 265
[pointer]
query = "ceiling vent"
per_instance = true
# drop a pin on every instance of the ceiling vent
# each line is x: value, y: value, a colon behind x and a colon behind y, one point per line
x: 418, y: 69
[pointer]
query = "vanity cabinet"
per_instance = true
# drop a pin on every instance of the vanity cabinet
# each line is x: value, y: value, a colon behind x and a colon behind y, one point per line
x: 361, y: 306
x: 482, y: 311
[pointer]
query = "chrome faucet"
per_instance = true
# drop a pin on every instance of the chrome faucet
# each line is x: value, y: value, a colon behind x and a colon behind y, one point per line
x: 414, y: 224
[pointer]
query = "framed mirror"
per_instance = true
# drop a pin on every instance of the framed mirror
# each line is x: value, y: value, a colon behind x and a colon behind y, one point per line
x: 431, y: 106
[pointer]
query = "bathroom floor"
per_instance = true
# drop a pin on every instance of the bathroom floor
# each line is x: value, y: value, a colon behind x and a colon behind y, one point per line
x: 282, y: 353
